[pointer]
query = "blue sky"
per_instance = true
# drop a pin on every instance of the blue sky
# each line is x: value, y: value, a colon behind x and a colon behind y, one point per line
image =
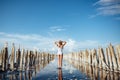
x: 38, y: 23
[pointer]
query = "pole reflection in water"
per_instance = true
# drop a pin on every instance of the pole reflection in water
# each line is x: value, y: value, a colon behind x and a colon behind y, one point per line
x: 94, y: 73
x: 60, y: 74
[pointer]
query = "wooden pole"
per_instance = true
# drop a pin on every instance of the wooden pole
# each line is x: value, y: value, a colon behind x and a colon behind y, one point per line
x: 18, y: 55
x: 1, y: 60
x: 114, y: 60
x: 107, y: 58
x: 110, y: 59
x: 118, y: 55
x: 5, y: 57
x: 94, y: 58
x: 12, y: 57
x: 24, y: 60
x: 102, y: 62
x: 21, y: 60
x: 87, y: 55
x: 90, y: 58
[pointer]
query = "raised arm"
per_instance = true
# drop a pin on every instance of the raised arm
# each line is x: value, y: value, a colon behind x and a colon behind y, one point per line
x: 56, y: 43
x: 64, y: 43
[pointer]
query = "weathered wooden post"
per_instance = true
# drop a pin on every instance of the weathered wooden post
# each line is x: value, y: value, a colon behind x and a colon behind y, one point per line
x: 107, y: 58
x: 118, y: 55
x: 27, y: 60
x: 94, y: 58
x: 31, y: 58
x: 48, y: 57
x: 5, y: 58
x: 35, y: 56
x: 77, y: 56
x: 39, y: 58
x: 1, y: 60
x: 84, y: 56
x: 87, y: 55
x: 102, y: 62
x: 90, y: 57
x: 22, y: 60
x: 110, y: 59
x: 44, y: 57
x: 80, y: 56
x: 18, y: 54
x: 12, y: 57
x: 112, y: 52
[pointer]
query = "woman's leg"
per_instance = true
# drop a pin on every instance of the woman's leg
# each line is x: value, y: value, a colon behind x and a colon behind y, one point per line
x: 58, y: 60
x: 61, y: 57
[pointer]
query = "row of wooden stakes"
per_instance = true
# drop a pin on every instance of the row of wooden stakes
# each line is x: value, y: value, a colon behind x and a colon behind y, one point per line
x: 107, y: 59
x: 94, y: 73
x: 21, y: 59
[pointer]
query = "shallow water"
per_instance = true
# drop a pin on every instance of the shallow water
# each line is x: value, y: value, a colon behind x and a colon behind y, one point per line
x: 71, y: 70
x: 50, y: 72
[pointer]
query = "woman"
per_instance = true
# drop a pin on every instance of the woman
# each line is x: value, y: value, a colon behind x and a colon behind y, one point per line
x: 60, y: 44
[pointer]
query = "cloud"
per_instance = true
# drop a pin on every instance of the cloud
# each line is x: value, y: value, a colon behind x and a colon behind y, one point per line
x: 28, y: 41
x: 109, y: 10
x: 107, y: 7
x: 73, y: 45
x: 106, y: 2
x: 57, y: 29
x: 43, y: 43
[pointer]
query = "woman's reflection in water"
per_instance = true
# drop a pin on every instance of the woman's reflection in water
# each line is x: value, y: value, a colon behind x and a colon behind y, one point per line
x: 60, y: 74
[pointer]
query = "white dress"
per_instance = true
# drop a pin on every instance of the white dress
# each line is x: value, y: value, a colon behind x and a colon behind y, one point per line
x: 60, y: 51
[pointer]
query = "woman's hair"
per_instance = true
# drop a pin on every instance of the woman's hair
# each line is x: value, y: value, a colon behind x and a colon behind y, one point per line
x: 60, y: 42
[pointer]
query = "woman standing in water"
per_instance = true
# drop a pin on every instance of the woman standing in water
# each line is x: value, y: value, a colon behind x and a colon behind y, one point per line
x: 60, y: 44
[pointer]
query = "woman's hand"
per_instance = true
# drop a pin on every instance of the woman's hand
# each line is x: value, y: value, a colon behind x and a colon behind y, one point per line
x: 64, y: 42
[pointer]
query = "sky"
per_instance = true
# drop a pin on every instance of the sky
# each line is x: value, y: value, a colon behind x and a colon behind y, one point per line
x: 37, y: 24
